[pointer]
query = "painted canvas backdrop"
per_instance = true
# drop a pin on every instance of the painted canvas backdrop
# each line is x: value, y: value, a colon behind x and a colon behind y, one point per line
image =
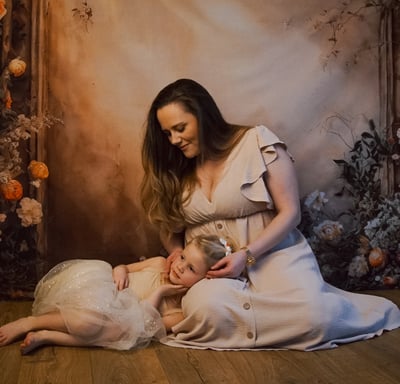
x: 265, y: 62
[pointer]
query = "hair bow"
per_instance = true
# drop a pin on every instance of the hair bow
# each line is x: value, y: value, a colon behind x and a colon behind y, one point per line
x: 227, y: 247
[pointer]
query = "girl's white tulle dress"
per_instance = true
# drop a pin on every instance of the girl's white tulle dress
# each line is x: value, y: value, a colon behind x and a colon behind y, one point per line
x: 94, y: 310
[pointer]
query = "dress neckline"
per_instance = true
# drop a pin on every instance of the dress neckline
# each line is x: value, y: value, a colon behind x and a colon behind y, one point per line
x: 225, y: 166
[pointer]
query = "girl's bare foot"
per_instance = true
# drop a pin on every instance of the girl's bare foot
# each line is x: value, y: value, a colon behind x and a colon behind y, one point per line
x: 14, y: 330
x: 32, y: 341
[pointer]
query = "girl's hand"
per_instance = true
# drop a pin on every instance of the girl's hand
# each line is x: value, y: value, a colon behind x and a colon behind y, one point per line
x: 230, y: 266
x: 171, y: 289
x: 120, y: 276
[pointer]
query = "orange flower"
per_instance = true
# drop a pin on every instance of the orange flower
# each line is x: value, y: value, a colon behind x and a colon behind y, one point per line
x: 8, y: 100
x: 3, y: 10
x: 12, y: 190
x: 17, y: 67
x: 38, y: 170
x: 377, y: 258
x: 390, y: 281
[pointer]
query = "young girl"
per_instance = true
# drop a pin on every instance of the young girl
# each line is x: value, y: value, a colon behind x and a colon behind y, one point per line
x: 87, y: 303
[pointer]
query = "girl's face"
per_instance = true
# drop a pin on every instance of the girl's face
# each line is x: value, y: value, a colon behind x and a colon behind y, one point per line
x: 189, y: 268
x: 181, y: 128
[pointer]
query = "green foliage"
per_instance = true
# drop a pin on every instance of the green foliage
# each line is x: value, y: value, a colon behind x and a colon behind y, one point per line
x: 361, y: 171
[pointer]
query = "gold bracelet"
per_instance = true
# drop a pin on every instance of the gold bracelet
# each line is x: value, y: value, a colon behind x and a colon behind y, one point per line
x: 250, y: 259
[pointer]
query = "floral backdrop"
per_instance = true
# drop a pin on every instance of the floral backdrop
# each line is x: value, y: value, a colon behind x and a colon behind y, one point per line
x: 20, y: 174
x: 353, y: 230
x: 355, y: 233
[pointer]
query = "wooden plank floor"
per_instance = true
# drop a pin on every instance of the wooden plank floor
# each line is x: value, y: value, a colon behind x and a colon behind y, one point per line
x: 375, y: 361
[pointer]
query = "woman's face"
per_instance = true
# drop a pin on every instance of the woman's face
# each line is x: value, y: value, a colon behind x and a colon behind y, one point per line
x: 181, y: 128
x: 189, y: 268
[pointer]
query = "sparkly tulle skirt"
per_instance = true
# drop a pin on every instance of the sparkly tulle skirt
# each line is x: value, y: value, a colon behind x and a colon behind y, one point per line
x: 93, y: 309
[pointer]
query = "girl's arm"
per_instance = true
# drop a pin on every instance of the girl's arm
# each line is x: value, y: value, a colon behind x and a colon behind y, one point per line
x: 281, y: 182
x: 120, y: 272
x: 155, y: 300
x: 172, y: 319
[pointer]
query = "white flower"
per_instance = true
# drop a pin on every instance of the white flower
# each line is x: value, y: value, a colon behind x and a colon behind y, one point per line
x: 3, y: 217
x: 395, y: 157
x: 30, y: 212
x: 358, y: 267
x: 23, y: 247
x: 316, y: 200
x: 36, y: 183
x: 5, y: 177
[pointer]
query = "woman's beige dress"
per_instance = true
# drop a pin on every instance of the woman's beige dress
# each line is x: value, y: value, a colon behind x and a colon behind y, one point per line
x: 284, y: 303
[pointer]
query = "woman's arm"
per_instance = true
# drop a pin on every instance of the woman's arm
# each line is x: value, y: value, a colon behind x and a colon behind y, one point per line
x: 281, y: 182
x: 172, y: 242
x: 173, y: 245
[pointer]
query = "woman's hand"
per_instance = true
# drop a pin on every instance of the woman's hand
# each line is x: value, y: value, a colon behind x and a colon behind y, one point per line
x: 230, y: 266
x: 120, y: 276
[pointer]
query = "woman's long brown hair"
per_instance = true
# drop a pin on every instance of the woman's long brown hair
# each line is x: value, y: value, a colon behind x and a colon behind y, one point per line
x: 167, y: 172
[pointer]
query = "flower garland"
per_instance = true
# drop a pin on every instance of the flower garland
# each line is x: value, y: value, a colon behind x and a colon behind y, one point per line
x: 20, y: 212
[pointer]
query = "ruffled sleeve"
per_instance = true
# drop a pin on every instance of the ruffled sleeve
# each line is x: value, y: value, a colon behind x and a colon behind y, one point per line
x: 259, y: 144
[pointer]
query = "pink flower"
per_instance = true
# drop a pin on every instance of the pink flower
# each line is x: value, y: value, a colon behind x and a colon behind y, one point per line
x: 329, y: 230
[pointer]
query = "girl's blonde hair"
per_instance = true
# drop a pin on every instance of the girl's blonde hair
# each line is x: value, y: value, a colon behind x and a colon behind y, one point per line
x: 213, y: 247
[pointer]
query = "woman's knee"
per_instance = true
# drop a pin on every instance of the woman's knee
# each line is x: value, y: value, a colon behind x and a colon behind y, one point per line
x: 217, y: 297
x: 204, y: 297
x: 214, y: 301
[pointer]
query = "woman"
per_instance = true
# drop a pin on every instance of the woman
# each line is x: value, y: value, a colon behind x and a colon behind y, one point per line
x: 204, y: 175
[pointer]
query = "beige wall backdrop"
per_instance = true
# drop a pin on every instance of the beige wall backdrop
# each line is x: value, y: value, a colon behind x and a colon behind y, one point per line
x: 262, y: 60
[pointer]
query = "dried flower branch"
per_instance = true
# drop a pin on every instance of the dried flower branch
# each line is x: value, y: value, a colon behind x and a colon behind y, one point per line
x: 84, y: 13
x: 337, y: 19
